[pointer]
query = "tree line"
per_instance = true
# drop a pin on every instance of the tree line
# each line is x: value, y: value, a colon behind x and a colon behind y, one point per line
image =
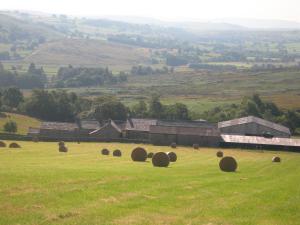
x: 68, y: 107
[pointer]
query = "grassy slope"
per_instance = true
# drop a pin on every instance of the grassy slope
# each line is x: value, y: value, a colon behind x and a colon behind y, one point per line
x: 89, y: 53
x: 23, y: 122
x: 39, y: 185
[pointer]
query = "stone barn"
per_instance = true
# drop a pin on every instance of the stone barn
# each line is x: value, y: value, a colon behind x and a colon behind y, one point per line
x: 184, y: 133
x: 109, y: 131
x: 138, y: 129
x: 253, y: 126
x: 55, y: 130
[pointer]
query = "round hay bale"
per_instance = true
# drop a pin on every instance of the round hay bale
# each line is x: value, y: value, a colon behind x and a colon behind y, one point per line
x: 150, y: 155
x: 63, y: 148
x: 61, y: 143
x: 219, y: 154
x: 196, y: 146
x: 228, y: 164
x: 139, y: 154
x: 160, y: 159
x: 172, y: 156
x: 117, y: 153
x: 14, y: 145
x: 276, y: 159
x: 2, y: 144
x: 173, y: 145
x: 105, y: 151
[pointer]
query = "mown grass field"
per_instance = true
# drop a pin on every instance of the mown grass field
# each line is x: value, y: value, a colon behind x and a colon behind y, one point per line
x: 39, y: 185
x: 23, y: 122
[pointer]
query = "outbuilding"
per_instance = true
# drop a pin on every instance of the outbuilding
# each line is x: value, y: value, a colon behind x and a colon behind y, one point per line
x: 253, y: 126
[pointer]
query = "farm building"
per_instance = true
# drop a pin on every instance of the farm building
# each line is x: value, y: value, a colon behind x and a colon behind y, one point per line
x: 256, y: 142
x: 138, y: 129
x: 248, y: 132
x: 83, y: 130
x: 184, y: 133
x: 253, y: 126
x: 109, y: 130
x: 57, y: 130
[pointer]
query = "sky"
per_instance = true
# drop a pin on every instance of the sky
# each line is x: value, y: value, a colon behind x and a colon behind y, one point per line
x: 168, y: 10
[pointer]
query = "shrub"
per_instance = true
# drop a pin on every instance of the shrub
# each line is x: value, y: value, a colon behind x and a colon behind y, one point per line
x: 10, y: 127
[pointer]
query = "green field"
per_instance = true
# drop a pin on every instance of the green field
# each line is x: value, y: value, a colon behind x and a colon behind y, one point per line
x: 39, y: 185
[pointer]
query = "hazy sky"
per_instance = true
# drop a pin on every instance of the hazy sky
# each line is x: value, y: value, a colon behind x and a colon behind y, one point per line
x: 174, y: 10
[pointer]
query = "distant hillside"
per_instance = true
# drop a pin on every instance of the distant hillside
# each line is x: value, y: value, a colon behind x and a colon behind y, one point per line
x: 261, y: 23
x: 87, y: 52
x: 17, y: 29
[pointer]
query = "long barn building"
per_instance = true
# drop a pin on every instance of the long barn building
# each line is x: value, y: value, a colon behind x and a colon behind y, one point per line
x: 246, y: 132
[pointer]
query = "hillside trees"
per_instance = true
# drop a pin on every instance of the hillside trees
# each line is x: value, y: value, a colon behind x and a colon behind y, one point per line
x: 111, y: 110
x: 83, y: 76
x: 12, y: 97
x: 33, y: 78
x: 53, y: 106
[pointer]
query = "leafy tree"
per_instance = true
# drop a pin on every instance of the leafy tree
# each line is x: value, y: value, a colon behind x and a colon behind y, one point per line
x: 155, y: 107
x: 53, y: 106
x: 12, y: 97
x: 111, y: 110
x: 10, y: 127
x: 140, y: 110
x: 177, y: 111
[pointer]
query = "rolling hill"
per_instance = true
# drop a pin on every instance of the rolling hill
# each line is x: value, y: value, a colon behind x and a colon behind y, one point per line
x: 23, y: 122
x: 88, y: 53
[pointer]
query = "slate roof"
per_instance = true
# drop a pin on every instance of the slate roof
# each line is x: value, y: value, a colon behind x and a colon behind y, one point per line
x: 197, y: 131
x: 32, y: 130
x: 140, y: 124
x: 58, y: 126
x: 89, y: 124
x: 253, y: 119
x: 187, y: 123
x: 260, y: 140
x: 110, y: 123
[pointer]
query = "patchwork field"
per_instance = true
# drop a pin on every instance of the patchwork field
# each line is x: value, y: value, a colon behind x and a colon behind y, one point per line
x: 39, y: 185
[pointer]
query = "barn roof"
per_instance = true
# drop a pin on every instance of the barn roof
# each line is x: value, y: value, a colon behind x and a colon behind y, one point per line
x: 108, y: 124
x: 253, y: 119
x: 33, y: 130
x: 140, y: 124
x: 58, y: 126
x: 185, y: 123
x: 260, y: 140
x: 197, y: 131
x: 89, y: 124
